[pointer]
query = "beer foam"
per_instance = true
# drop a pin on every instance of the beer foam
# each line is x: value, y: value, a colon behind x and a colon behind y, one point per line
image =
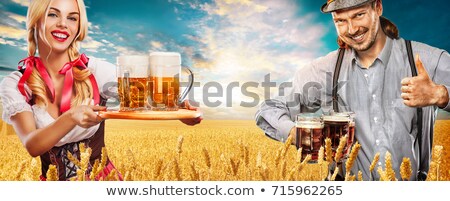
x: 165, y: 64
x: 135, y: 66
x: 308, y: 124
x: 336, y: 118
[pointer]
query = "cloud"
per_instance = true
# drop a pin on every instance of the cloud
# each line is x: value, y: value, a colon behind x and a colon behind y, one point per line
x: 242, y: 41
x: 156, y: 45
x: 228, y: 7
x: 25, y: 3
x: 91, y: 45
x: 122, y: 50
x: 7, y: 42
x: 12, y: 32
x: 17, y: 18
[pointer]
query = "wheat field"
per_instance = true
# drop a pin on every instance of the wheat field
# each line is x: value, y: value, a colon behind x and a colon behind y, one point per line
x: 220, y: 150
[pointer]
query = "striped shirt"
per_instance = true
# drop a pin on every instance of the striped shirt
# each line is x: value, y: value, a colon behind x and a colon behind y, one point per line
x: 383, y: 122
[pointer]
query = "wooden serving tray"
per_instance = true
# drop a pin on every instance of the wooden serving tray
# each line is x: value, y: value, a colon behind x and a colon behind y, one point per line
x: 151, y: 115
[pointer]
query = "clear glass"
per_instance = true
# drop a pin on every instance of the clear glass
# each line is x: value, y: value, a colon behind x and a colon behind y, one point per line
x: 164, y: 90
x: 309, y: 135
x: 133, y: 76
x: 338, y: 125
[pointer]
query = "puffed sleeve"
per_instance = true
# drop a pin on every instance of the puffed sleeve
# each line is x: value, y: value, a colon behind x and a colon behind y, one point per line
x: 13, y: 101
x: 105, y: 75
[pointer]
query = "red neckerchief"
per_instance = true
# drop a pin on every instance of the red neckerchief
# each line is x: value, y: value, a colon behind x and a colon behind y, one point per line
x: 30, y: 62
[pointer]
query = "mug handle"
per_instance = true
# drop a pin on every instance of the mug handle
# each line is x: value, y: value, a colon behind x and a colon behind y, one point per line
x: 125, y: 88
x: 189, y: 87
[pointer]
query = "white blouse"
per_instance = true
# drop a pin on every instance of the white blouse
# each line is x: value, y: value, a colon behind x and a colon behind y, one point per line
x: 14, y: 102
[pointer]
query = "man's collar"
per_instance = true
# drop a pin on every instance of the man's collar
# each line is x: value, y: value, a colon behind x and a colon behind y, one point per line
x: 383, y: 56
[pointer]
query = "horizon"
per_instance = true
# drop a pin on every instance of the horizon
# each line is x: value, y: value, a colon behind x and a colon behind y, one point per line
x: 223, y: 41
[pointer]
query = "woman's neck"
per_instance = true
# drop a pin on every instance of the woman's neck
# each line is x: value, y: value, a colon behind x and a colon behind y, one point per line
x: 54, y: 61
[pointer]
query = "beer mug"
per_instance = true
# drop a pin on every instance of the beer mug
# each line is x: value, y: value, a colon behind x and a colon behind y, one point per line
x: 309, y: 134
x: 164, y: 83
x: 336, y: 126
x: 133, y: 74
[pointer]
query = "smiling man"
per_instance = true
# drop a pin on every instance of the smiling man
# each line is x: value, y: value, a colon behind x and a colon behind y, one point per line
x: 394, y: 96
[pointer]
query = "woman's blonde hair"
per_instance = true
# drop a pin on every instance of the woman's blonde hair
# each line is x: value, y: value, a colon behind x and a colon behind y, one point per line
x: 82, y: 86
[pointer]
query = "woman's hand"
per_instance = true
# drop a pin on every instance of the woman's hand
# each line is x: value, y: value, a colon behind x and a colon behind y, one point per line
x: 85, y: 114
x: 185, y: 104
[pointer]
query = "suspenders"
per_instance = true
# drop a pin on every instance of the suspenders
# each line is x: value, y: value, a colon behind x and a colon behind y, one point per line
x: 421, y: 174
x: 337, y: 70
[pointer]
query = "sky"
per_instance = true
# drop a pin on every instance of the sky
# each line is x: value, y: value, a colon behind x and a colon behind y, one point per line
x: 228, y: 44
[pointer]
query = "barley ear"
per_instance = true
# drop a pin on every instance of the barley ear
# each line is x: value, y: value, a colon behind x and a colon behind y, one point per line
x: 340, y: 149
x: 353, y: 154
x: 180, y: 145
x: 299, y: 155
x: 283, y: 170
x: 158, y: 168
x: 80, y: 175
x: 328, y: 150
x: 195, y: 175
x: 207, y: 158
x: 278, y: 156
x: 82, y: 147
x: 383, y: 176
x: 390, y: 173
x: 177, y: 170
x: 321, y: 155
x: 52, y: 173
x: 73, y: 159
x: 373, y: 164
x: 405, y: 169
x: 287, y: 145
x: 94, y: 171
x: 104, y: 158
x: 336, y: 171
x: 360, y: 176
x: 307, y: 159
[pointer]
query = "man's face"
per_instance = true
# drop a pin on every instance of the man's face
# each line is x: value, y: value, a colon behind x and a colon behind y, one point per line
x: 358, y: 27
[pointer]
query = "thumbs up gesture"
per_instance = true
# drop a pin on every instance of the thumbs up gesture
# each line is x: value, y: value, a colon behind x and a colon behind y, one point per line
x: 421, y: 91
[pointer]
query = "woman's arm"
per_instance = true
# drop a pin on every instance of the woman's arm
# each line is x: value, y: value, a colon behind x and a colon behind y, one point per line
x: 38, y: 141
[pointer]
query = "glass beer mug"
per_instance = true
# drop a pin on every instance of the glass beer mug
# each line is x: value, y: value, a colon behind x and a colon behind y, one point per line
x: 336, y: 126
x: 164, y: 83
x: 309, y: 134
x: 133, y: 74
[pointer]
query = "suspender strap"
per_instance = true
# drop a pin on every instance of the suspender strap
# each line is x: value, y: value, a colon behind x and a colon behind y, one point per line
x: 337, y: 70
x: 421, y: 175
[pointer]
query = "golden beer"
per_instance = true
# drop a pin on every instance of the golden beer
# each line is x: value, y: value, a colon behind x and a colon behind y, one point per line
x: 164, y: 92
x: 136, y: 97
x: 133, y: 73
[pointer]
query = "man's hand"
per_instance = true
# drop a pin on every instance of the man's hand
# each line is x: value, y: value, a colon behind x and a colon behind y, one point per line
x: 193, y: 121
x: 293, y: 133
x: 421, y: 91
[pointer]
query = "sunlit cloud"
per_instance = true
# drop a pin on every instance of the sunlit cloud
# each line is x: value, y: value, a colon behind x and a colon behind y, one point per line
x: 17, y: 18
x: 25, y: 3
x: 12, y: 32
x: 91, y: 45
x: 7, y: 42
x: 248, y: 40
x: 156, y: 45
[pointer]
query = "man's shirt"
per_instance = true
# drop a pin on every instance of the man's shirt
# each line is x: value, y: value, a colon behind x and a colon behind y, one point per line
x: 383, y: 122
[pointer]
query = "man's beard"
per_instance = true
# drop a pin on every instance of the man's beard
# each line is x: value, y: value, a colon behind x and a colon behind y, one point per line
x: 372, y: 34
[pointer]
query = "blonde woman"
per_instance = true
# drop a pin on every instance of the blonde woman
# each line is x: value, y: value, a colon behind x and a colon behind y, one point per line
x: 52, y: 100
